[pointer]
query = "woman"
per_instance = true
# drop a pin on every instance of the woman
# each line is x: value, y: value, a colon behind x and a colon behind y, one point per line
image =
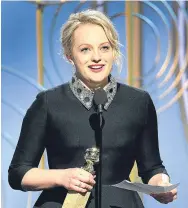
x: 61, y: 120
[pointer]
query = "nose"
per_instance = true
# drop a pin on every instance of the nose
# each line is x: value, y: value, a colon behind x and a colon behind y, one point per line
x: 96, y: 57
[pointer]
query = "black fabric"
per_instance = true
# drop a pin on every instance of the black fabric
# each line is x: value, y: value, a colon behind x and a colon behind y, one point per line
x: 112, y: 197
x: 59, y: 122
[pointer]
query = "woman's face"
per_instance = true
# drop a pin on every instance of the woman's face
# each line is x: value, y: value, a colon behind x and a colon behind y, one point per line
x: 92, y: 54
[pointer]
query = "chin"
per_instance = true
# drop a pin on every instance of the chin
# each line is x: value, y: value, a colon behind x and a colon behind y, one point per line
x: 98, y: 78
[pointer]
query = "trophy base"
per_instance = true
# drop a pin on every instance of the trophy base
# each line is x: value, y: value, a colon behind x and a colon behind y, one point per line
x: 76, y: 200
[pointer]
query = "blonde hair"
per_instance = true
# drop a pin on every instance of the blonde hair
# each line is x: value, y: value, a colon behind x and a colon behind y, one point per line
x: 90, y: 17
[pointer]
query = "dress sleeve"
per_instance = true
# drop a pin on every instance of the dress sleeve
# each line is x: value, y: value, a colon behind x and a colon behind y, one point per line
x: 148, y: 157
x: 31, y: 142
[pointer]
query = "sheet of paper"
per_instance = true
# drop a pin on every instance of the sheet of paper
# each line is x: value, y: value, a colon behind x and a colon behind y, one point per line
x: 145, y: 188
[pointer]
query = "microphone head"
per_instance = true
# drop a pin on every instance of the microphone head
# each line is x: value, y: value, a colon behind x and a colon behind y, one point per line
x: 100, y: 97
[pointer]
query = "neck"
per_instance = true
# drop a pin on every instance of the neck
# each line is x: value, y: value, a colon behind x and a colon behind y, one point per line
x: 93, y: 85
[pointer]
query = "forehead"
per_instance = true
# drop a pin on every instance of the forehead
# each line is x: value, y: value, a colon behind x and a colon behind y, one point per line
x: 89, y: 34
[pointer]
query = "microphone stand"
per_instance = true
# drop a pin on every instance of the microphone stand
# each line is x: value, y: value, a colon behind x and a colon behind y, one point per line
x: 100, y: 98
x: 99, y: 168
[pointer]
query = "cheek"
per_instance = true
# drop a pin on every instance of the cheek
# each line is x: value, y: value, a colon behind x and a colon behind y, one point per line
x: 110, y: 59
x: 109, y: 56
x: 81, y: 60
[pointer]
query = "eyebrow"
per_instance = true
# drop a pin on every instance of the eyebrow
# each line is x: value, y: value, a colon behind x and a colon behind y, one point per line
x: 91, y: 45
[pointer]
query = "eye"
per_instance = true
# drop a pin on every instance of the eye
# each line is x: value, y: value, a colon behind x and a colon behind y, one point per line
x: 84, y: 50
x: 105, y: 48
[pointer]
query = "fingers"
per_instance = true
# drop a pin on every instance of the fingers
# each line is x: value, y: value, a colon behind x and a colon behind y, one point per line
x: 78, y: 189
x: 165, y: 198
x: 160, y: 198
x: 84, y: 186
x: 80, y: 180
x: 174, y: 192
x: 79, y: 186
x: 175, y: 197
x: 85, y: 177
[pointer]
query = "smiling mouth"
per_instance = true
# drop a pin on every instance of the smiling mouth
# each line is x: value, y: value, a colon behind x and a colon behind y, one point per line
x: 96, y: 68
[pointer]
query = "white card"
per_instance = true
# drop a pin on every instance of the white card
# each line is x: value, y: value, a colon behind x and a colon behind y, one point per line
x: 144, y: 188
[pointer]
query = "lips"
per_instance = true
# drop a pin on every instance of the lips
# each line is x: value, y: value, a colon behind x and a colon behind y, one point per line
x: 96, y: 67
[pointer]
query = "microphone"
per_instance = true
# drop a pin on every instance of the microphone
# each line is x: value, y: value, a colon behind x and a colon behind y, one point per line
x: 99, y: 99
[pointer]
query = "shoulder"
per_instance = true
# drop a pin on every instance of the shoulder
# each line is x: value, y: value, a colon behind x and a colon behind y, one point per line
x: 53, y: 92
x: 132, y: 92
x: 134, y: 98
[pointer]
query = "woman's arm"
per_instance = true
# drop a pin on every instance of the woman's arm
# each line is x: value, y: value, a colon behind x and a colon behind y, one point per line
x: 23, y: 172
x: 38, y: 179
x: 147, y: 154
x: 31, y: 143
x: 159, y: 179
x: 72, y: 179
x: 149, y: 162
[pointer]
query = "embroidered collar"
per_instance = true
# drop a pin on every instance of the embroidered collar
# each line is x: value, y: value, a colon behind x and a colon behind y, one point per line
x: 85, y: 95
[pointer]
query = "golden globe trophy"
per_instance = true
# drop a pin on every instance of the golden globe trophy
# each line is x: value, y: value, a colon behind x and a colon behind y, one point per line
x: 78, y: 200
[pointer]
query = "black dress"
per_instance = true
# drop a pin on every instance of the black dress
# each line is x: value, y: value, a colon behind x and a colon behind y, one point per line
x: 62, y: 120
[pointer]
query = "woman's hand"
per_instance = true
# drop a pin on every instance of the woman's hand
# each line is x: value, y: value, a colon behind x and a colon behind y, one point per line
x: 76, y: 179
x: 167, y: 197
x: 163, y: 180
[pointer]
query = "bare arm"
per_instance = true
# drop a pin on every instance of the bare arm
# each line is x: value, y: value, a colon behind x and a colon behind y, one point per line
x: 72, y: 179
x: 38, y: 179
x: 159, y: 179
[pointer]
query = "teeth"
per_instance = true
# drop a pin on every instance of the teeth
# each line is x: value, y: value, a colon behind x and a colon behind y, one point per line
x: 96, y: 67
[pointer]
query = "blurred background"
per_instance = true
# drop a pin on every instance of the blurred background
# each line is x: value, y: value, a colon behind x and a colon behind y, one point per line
x: 154, y: 38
